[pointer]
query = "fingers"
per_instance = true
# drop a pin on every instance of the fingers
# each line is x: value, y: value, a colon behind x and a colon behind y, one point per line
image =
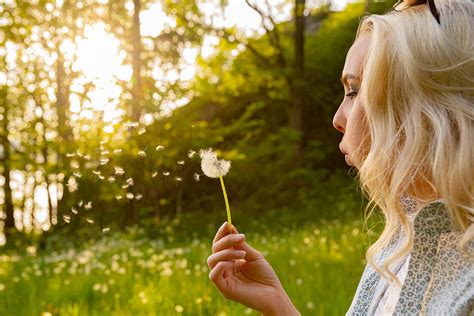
x: 227, y: 242
x: 224, y: 255
x: 222, y: 231
x: 218, y: 277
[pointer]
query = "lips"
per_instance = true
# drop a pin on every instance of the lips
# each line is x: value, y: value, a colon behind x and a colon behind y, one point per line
x: 341, y: 149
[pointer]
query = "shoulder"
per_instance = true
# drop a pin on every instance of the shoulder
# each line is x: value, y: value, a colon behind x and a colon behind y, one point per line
x: 451, y: 287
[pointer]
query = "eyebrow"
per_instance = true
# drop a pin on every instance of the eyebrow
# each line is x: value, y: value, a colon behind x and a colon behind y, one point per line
x: 347, y: 77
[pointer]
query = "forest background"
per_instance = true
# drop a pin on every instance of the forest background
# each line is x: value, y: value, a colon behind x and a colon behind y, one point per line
x: 104, y: 106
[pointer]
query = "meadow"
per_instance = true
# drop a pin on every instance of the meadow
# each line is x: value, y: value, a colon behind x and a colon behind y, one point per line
x: 165, y: 272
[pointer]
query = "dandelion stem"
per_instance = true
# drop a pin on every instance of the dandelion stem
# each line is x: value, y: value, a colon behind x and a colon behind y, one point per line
x: 226, y: 200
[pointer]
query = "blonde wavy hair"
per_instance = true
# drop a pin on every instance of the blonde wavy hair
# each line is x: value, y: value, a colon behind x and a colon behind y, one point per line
x: 417, y: 94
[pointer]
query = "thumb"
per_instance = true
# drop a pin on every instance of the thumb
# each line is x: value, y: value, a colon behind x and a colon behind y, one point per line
x: 252, y: 253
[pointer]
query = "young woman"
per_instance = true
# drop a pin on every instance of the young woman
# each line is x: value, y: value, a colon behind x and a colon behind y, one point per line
x: 407, y: 120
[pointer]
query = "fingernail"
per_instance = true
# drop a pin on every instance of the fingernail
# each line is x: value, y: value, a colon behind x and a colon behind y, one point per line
x: 242, y: 253
x: 222, y: 226
x: 241, y: 236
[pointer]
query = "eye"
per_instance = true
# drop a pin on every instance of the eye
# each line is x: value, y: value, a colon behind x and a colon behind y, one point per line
x: 351, y: 94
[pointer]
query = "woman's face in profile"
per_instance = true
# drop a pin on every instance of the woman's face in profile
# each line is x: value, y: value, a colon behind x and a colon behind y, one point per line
x: 350, y: 116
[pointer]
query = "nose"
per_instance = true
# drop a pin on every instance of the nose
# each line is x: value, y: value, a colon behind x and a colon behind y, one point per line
x: 339, y: 121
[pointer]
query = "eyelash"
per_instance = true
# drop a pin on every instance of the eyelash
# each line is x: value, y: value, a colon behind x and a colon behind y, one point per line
x: 351, y: 94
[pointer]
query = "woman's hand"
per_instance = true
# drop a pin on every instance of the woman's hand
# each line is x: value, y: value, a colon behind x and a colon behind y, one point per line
x: 242, y: 274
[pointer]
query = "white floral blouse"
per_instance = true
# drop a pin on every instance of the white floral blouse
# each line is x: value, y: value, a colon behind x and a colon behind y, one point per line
x: 439, y: 279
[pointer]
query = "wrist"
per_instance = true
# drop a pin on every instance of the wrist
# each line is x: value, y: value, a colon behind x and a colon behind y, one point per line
x: 281, y: 305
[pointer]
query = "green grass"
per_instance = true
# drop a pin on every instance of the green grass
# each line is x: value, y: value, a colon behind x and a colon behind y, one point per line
x: 133, y: 273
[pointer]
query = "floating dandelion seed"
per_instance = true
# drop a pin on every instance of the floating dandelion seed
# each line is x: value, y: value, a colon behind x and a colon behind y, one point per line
x: 79, y: 153
x: 215, y: 168
x: 101, y: 177
x: 178, y: 179
x: 67, y: 218
x: 90, y: 220
x: 88, y: 206
x: 181, y: 162
x: 130, y: 181
x: 130, y: 196
x: 96, y: 172
x: 105, y: 229
x: 119, y: 171
x: 141, y: 131
x: 138, y: 196
x: 87, y: 157
x: 111, y: 179
x: 74, y: 164
x: 77, y: 174
x: 141, y: 153
x: 117, y: 151
x: 159, y: 147
x: 104, y: 161
x: 81, y: 202
x: 118, y: 197
x: 105, y: 152
x: 69, y: 155
x: 72, y: 184
x: 154, y: 174
x: 191, y: 153
x: 74, y: 211
x: 196, y: 176
x: 166, y: 173
x: 124, y: 186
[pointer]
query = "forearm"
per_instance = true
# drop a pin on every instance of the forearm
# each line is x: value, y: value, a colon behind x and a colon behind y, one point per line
x: 281, y: 306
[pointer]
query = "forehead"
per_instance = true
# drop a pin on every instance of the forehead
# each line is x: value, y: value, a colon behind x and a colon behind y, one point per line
x: 356, y: 55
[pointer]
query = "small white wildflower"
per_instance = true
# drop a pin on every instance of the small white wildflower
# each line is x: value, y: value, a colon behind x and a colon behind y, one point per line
x: 211, y: 166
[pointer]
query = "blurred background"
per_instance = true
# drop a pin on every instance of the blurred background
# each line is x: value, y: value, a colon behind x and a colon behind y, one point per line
x: 104, y: 106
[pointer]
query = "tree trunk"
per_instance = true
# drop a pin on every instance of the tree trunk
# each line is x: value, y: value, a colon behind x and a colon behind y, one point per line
x: 295, y: 115
x: 8, y: 203
x: 137, y: 89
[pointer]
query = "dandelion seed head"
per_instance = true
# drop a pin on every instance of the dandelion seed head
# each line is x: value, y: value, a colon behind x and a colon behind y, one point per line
x: 211, y: 166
